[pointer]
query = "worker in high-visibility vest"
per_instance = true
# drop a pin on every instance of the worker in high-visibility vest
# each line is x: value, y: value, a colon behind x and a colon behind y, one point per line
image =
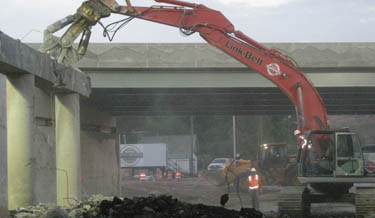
x: 254, y: 187
x: 301, y: 143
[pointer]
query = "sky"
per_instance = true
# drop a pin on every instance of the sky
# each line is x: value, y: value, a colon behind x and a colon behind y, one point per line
x: 262, y: 20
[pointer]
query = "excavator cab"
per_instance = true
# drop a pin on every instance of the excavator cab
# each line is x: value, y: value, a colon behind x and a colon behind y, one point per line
x: 331, y: 163
x: 331, y: 154
x: 349, y: 158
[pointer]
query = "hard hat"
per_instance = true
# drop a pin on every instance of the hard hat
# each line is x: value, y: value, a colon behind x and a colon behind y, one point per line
x: 297, y: 132
x: 253, y: 170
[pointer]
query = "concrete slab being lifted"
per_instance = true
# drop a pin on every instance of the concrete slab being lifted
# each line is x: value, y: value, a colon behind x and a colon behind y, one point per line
x: 17, y: 57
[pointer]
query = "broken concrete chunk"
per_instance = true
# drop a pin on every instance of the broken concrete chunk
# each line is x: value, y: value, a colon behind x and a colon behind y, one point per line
x: 57, y: 212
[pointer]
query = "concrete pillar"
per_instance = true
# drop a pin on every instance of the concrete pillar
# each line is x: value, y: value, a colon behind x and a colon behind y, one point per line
x: 3, y: 150
x: 20, y: 123
x: 68, y: 148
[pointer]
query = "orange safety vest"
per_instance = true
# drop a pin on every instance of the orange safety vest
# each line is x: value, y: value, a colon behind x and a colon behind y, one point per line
x: 253, y: 182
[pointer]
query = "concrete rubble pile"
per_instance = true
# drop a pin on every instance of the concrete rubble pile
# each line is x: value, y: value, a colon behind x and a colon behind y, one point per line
x: 140, y: 207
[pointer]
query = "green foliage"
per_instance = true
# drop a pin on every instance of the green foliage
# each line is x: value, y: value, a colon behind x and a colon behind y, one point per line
x: 214, y: 134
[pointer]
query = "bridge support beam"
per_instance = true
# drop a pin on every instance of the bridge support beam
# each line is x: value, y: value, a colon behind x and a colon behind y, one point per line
x: 3, y: 150
x: 68, y: 148
x: 20, y: 121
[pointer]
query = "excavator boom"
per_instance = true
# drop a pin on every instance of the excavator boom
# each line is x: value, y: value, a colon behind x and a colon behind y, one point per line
x: 216, y: 30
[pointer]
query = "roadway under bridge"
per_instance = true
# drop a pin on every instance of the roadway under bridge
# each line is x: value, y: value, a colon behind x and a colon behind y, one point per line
x: 192, y: 79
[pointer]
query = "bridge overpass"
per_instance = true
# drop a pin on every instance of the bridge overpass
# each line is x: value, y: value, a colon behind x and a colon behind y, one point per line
x: 185, y: 79
x: 50, y: 129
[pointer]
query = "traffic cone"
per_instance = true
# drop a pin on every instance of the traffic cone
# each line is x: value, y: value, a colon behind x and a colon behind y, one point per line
x: 200, y: 175
x: 159, y: 175
x: 142, y: 176
x: 178, y: 175
x: 170, y: 175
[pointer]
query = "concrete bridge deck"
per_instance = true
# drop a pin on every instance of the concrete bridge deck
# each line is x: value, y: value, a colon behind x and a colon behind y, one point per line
x: 196, y: 78
x: 154, y: 79
x: 17, y: 59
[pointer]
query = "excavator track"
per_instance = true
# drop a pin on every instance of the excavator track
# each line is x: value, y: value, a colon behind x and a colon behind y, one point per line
x: 293, y: 205
x: 365, y: 202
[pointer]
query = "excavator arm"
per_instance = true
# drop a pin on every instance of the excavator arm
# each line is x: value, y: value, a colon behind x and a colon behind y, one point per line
x: 216, y: 30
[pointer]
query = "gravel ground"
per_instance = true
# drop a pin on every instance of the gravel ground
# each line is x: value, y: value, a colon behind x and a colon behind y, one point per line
x: 187, y: 198
x: 195, y: 190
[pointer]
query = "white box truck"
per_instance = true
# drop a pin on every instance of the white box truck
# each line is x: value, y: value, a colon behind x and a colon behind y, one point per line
x: 145, y: 156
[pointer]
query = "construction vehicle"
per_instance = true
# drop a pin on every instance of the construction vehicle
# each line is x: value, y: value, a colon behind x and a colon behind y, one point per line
x: 329, y: 161
x: 273, y: 165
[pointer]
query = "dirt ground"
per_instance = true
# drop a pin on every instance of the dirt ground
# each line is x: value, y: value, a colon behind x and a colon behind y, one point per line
x: 196, y: 190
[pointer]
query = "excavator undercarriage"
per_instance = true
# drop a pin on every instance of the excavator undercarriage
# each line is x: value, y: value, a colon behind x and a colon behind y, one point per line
x: 299, y: 205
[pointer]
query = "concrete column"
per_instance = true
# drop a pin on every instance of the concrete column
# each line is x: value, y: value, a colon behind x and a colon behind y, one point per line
x: 3, y: 150
x: 20, y: 124
x: 68, y: 148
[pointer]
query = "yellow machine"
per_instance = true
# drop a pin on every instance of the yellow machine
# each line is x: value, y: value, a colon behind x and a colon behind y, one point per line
x: 273, y: 164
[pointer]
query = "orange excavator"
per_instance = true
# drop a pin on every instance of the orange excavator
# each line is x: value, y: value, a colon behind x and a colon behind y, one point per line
x: 330, y: 162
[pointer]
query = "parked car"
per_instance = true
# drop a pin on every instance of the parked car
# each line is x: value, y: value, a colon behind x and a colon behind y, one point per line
x: 218, y: 163
x: 368, y: 151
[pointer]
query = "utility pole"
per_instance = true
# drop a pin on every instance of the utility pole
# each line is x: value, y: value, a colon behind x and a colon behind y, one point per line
x: 261, y: 129
x: 191, y: 165
x: 234, y: 138
x: 260, y: 134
